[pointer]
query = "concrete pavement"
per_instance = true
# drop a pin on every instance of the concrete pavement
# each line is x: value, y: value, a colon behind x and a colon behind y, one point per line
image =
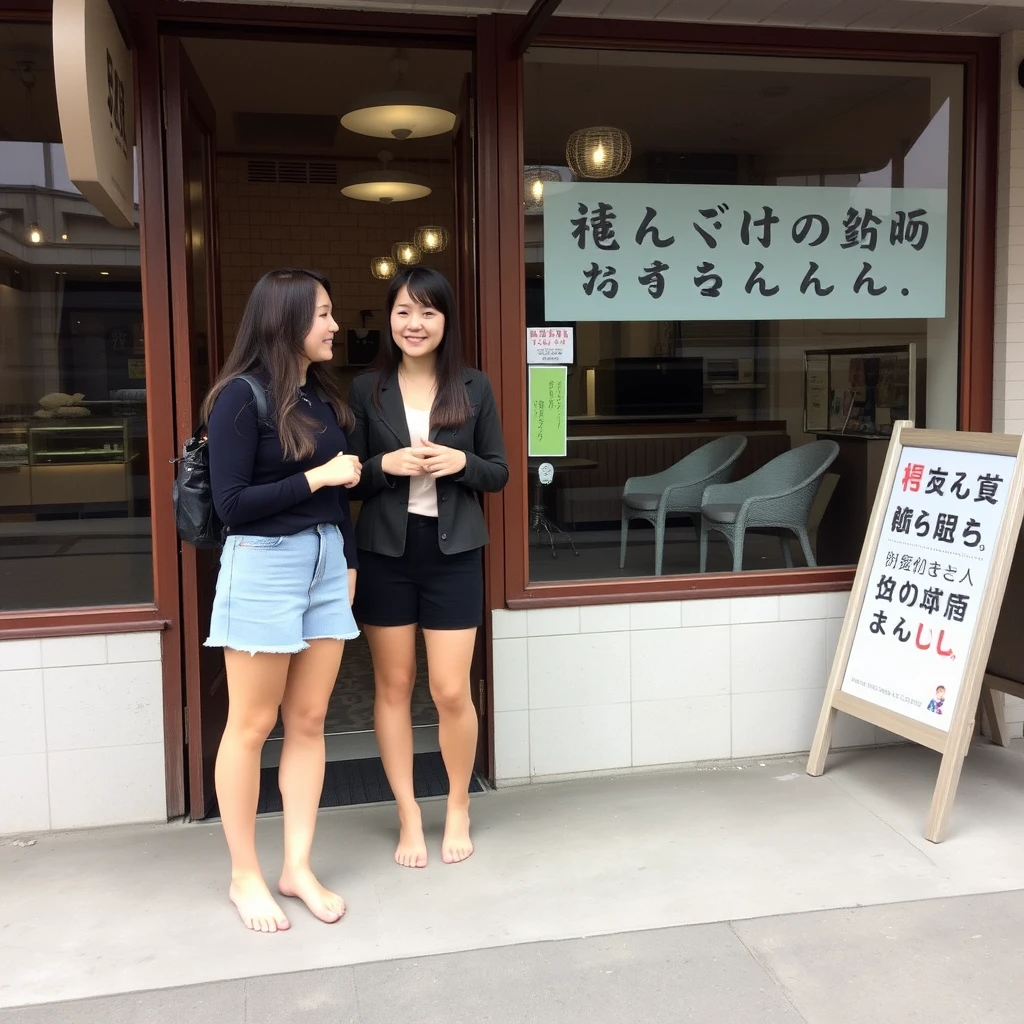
x: 693, y: 876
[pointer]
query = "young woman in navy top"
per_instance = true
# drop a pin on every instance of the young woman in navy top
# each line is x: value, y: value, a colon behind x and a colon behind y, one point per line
x: 282, y: 609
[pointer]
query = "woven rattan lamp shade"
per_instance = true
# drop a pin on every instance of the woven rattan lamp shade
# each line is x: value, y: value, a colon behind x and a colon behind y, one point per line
x: 534, y: 180
x: 431, y: 238
x: 383, y: 268
x: 600, y: 152
x: 406, y: 253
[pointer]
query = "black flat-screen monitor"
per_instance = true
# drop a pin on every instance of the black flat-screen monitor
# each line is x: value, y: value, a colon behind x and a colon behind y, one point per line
x: 650, y: 386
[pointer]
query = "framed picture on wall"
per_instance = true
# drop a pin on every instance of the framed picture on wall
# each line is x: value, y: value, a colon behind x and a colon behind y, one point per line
x: 361, y: 345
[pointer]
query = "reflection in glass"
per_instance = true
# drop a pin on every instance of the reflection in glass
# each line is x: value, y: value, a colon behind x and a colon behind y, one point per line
x: 74, y: 477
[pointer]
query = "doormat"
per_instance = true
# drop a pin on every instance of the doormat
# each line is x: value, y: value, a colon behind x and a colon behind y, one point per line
x: 361, y: 781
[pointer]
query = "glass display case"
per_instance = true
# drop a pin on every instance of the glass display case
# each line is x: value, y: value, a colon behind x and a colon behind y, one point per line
x: 74, y: 444
x: 76, y: 463
x: 861, y: 392
x: 15, y: 483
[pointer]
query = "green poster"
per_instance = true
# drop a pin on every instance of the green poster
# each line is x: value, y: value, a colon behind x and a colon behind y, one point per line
x: 547, y: 411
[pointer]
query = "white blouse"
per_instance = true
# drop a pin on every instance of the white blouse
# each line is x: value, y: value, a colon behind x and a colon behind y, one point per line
x: 422, y: 489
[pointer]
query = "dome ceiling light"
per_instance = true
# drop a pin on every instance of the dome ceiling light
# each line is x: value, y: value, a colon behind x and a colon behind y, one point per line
x: 399, y: 113
x: 386, y: 186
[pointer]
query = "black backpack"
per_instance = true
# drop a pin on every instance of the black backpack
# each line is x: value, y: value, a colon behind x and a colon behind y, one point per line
x: 194, y: 515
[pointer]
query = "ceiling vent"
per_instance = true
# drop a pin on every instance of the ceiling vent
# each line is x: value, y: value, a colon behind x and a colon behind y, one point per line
x: 292, y: 172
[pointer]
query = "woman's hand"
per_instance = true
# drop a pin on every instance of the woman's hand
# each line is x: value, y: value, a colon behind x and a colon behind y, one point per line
x: 441, y: 461
x: 404, y: 462
x: 341, y: 471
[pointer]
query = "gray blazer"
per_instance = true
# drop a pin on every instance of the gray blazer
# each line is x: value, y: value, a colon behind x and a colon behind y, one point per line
x: 384, y: 517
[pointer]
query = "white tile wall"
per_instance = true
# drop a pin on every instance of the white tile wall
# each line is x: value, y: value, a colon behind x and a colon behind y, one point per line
x: 621, y: 686
x: 81, y: 732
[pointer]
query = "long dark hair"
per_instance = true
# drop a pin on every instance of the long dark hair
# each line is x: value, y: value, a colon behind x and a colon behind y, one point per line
x: 278, y: 315
x: 428, y: 287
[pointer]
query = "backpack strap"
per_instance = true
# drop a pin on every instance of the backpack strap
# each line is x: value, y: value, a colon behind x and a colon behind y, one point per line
x: 260, y: 396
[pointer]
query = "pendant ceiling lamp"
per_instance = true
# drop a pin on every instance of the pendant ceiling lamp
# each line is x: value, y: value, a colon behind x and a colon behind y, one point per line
x: 385, y: 186
x: 534, y: 181
x: 430, y: 238
x: 406, y: 253
x: 400, y: 113
x: 383, y: 268
x: 600, y: 152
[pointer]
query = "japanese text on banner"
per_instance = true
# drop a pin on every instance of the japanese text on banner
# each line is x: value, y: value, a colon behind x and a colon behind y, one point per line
x: 623, y: 251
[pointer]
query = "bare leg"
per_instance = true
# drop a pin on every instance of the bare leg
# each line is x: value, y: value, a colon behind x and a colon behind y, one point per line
x: 255, y: 686
x: 450, y: 659
x: 311, y: 680
x: 394, y: 671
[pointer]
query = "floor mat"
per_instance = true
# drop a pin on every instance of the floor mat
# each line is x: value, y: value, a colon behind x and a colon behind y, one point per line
x: 361, y: 781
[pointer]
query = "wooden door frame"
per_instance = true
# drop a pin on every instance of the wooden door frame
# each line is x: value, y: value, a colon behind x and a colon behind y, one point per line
x: 190, y: 96
x: 162, y: 297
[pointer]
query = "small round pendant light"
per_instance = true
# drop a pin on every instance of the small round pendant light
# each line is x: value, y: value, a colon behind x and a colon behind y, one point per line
x: 406, y: 253
x: 600, y: 152
x: 400, y: 113
x: 430, y: 238
x: 383, y: 268
x: 534, y: 181
x: 386, y: 186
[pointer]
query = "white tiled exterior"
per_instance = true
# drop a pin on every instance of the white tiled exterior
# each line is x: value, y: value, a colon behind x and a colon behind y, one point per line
x: 81, y: 732
x: 614, y: 687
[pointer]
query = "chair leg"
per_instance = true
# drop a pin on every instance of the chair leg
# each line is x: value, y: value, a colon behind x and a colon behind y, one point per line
x: 805, y: 544
x: 659, y: 543
x: 703, y: 534
x: 787, y: 551
x: 737, y: 550
x: 622, y: 542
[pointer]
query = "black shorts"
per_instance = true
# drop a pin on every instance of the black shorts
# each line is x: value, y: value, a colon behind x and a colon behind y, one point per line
x: 423, y: 586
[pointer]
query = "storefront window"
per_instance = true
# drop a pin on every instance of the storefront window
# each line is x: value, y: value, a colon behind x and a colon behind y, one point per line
x: 740, y: 272
x: 74, y: 477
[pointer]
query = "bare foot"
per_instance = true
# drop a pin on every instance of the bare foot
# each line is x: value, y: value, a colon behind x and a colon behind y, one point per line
x: 456, y: 845
x: 412, y: 847
x: 302, y: 884
x: 256, y: 907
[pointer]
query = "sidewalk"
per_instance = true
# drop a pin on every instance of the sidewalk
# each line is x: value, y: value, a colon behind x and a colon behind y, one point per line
x: 130, y: 910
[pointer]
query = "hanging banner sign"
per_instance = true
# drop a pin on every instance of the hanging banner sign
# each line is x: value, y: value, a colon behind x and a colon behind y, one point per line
x: 96, y: 103
x: 623, y: 251
x: 548, y: 424
x: 922, y: 616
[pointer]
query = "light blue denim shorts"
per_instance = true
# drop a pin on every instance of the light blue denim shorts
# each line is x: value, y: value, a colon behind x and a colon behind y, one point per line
x: 274, y: 594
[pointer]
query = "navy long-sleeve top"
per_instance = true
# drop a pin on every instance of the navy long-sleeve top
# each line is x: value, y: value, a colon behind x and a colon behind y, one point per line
x: 257, y: 492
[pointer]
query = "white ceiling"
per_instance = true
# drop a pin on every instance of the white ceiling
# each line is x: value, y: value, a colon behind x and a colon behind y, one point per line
x: 943, y: 16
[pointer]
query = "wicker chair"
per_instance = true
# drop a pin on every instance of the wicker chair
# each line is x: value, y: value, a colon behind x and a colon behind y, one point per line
x: 676, y: 491
x: 776, y: 498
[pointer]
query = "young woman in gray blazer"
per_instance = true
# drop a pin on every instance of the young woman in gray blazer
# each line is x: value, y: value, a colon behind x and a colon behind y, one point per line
x: 428, y: 436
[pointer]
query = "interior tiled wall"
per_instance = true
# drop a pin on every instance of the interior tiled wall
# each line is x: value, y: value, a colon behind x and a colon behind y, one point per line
x: 81, y: 732
x: 314, y: 226
x: 611, y: 687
